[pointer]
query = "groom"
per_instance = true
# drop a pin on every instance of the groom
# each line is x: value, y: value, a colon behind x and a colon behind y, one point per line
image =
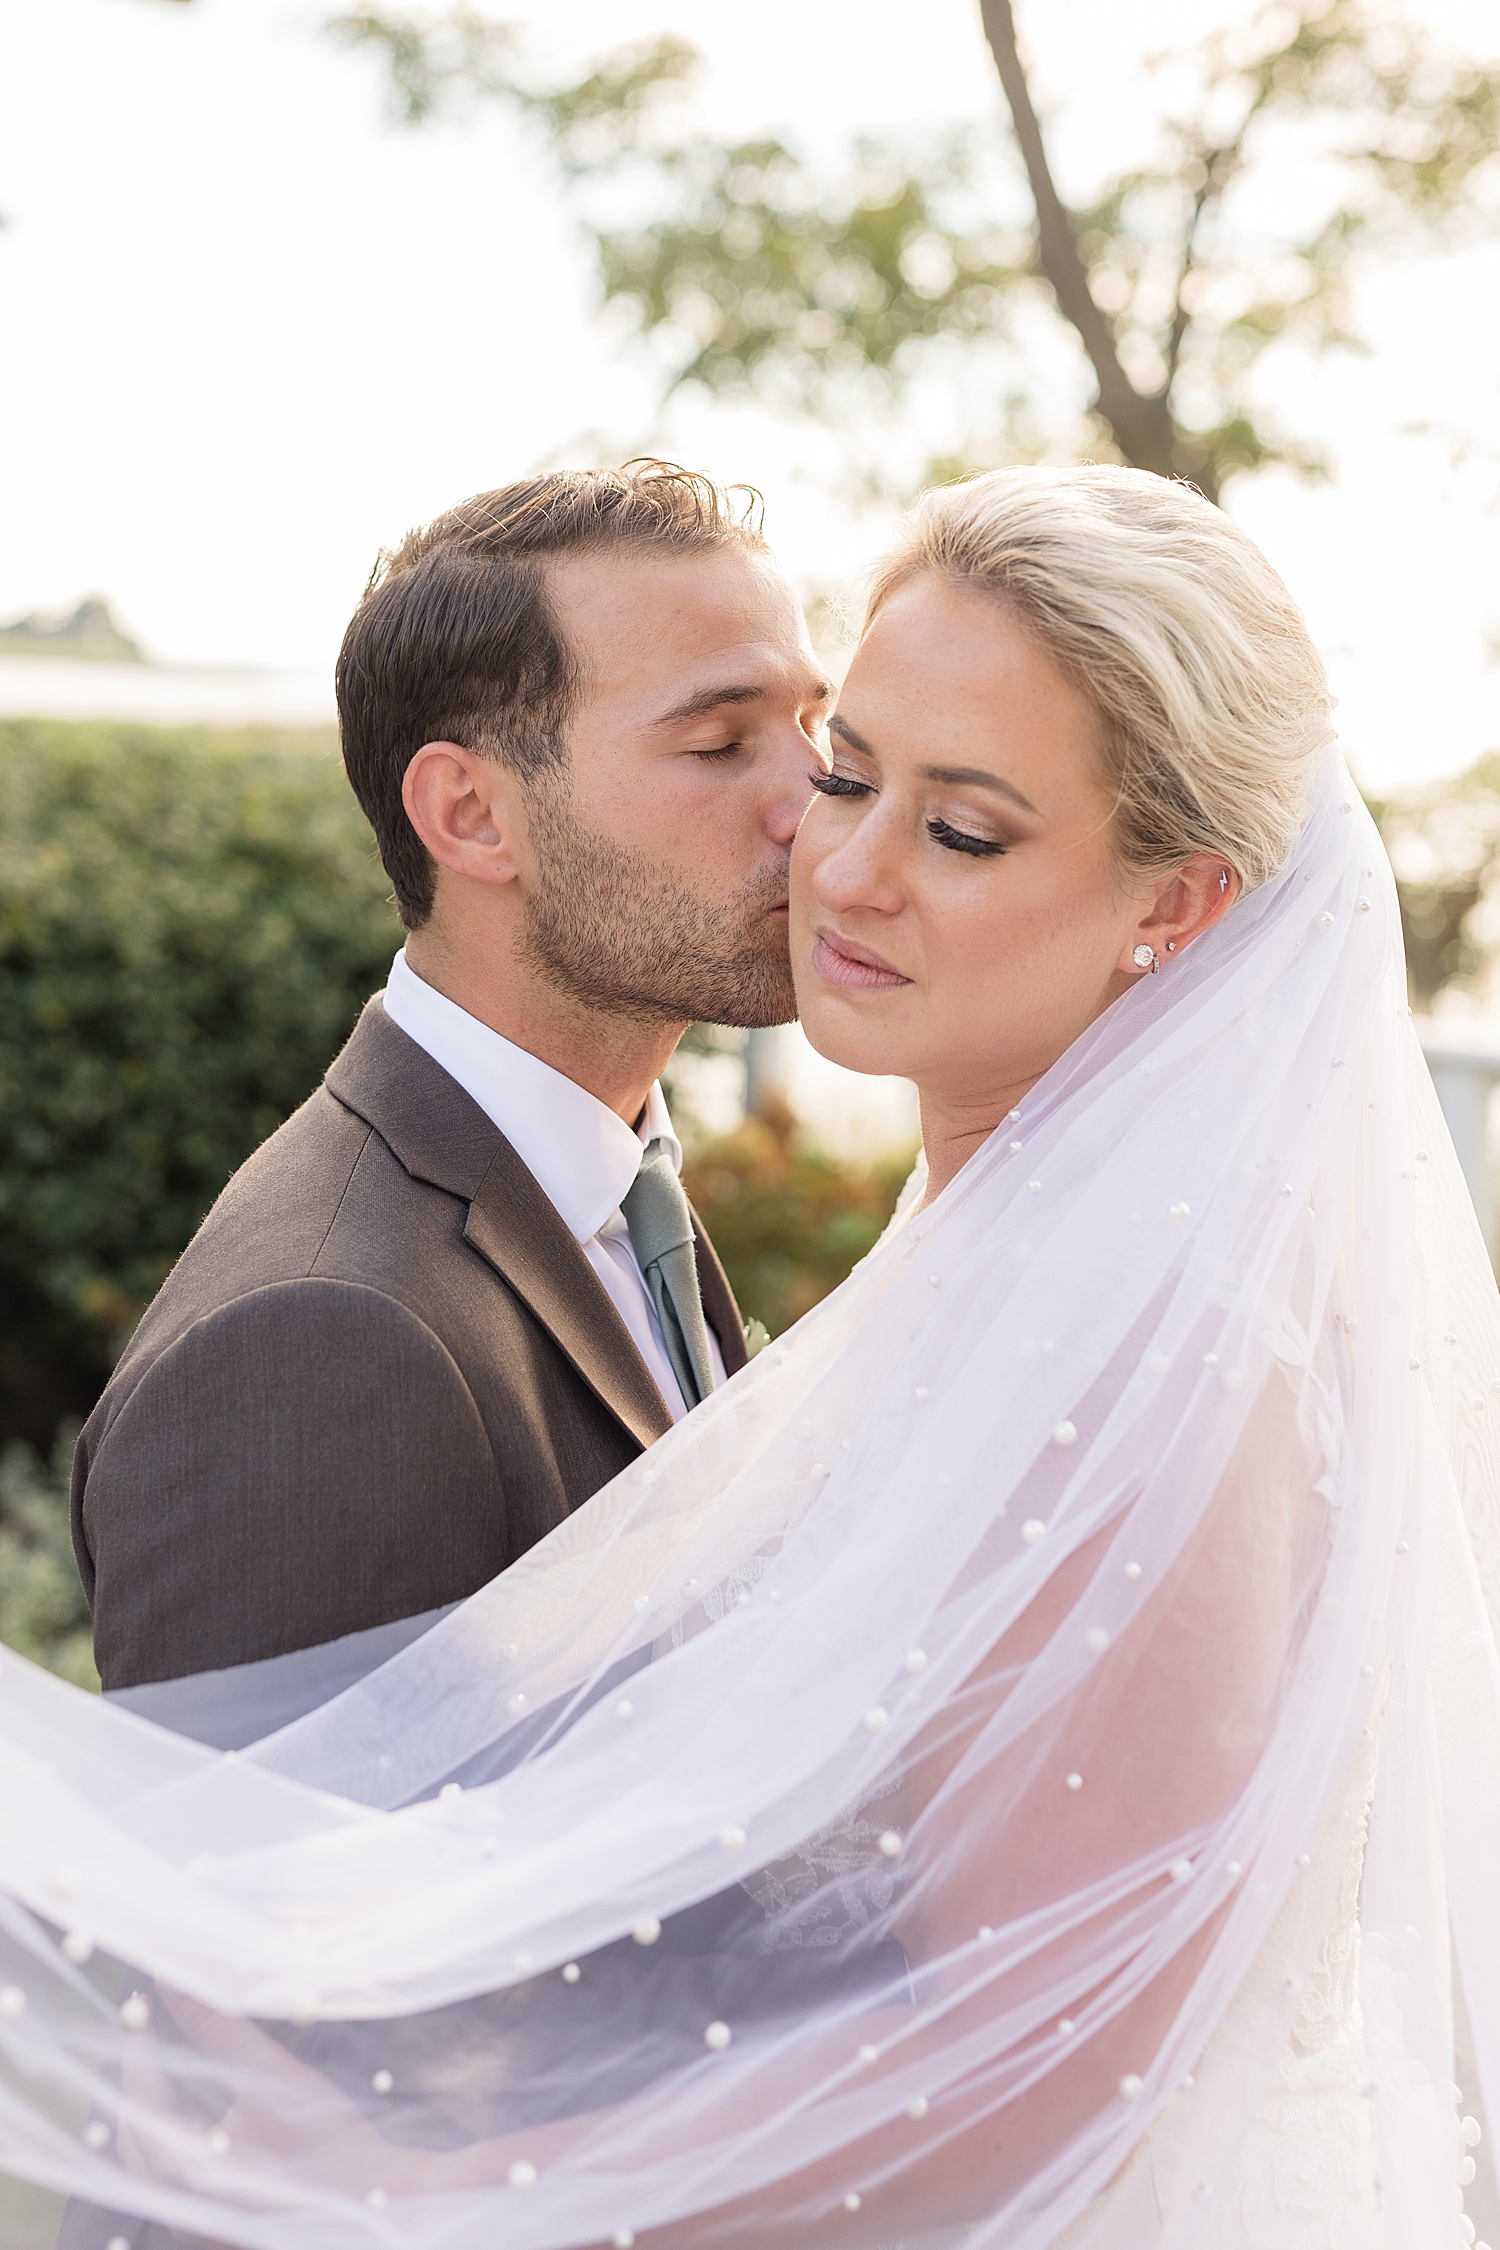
x: 461, y: 1288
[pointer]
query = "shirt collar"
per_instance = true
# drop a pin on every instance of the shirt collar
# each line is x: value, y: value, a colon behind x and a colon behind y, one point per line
x: 581, y: 1155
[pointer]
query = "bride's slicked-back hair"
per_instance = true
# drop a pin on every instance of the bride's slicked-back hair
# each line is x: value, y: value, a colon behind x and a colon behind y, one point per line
x: 1212, y: 701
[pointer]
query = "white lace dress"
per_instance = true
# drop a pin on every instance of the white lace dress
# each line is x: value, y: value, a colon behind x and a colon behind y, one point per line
x: 1305, y: 2176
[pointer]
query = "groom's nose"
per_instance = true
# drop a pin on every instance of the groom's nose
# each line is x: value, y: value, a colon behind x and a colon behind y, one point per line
x: 789, y: 790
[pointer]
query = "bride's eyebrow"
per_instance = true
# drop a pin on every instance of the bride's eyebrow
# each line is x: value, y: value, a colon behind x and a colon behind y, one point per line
x: 842, y: 728
x: 975, y: 777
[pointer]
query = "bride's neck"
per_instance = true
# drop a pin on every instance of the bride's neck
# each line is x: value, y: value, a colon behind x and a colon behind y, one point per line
x: 953, y: 1127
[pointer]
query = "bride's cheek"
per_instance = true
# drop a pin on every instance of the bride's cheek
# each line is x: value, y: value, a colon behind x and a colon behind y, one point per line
x: 805, y: 857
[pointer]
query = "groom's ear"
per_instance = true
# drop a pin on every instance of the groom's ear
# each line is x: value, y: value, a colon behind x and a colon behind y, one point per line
x: 468, y: 812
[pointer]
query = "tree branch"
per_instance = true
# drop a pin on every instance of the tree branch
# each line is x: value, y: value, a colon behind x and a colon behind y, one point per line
x: 1141, y: 422
x: 1208, y: 190
x: 1220, y: 164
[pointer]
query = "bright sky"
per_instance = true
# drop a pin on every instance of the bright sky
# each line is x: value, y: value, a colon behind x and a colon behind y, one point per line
x: 253, y: 331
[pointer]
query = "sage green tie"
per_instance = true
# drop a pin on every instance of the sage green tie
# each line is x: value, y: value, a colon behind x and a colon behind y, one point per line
x: 661, y: 1230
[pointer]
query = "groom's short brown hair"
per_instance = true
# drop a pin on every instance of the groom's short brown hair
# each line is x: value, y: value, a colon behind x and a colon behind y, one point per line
x: 455, y: 641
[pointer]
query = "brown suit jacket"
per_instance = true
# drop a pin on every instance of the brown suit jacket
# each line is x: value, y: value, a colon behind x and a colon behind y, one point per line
x: 381, y: 1370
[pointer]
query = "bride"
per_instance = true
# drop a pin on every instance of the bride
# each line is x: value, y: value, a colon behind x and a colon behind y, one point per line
x: 1020, y: 1765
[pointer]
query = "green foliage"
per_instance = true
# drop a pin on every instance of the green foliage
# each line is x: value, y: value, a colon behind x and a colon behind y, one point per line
x: 466, y: 56
x: 781, y: 280
x: 189, y: 924
x: 787, y: 1221
x: 826, y: 285
x: 42, y: 1610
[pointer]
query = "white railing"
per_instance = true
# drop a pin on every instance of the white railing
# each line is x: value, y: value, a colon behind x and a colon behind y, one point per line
x: 1464, y: 1059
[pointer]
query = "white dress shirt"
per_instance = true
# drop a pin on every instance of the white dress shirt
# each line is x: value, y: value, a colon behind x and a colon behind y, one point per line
x: 581, y: 1155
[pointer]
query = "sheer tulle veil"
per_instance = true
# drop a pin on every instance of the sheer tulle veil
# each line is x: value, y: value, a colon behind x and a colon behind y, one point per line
x: 866, y: 1817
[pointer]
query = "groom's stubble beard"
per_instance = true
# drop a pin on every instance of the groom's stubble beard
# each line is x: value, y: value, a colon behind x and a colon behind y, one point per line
x: 617, y: 932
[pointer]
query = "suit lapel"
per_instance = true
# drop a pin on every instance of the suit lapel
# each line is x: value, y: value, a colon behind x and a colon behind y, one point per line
x: 440, y: 1135
x: 719, y: 1307
x: 512, y: 1224
x: 424, y: 1117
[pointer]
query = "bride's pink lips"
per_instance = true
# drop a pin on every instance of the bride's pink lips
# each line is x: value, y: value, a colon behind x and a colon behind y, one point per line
x: 853, y: 968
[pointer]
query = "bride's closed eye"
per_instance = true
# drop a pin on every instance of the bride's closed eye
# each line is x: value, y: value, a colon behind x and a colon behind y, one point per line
x: 941, y: 831
x: 959, y: 840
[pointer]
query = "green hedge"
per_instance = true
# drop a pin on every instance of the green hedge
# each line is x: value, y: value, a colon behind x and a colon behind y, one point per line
x: 42, y: 1609
x: 189, y: 925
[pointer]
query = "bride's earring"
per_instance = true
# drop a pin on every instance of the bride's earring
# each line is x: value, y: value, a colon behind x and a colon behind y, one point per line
x: 1145, y: 958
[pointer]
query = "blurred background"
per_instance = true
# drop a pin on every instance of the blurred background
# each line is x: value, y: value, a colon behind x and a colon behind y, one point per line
x: 278, y: 282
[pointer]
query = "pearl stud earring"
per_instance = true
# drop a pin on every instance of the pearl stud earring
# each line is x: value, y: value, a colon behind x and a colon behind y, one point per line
x: 1145, y: 958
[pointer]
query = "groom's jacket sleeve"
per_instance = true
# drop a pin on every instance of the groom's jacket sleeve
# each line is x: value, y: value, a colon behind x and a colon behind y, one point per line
x: 285, y: 1467
x: 382, y: 1370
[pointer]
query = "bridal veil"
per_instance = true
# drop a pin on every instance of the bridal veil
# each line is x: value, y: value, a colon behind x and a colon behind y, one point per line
x: 865, y: 1817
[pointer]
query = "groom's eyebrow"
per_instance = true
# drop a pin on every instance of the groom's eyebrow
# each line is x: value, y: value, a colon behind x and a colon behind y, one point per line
x: 715, y: 698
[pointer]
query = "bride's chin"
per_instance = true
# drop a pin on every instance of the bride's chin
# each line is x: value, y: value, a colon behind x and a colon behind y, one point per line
x: 847, y: 1036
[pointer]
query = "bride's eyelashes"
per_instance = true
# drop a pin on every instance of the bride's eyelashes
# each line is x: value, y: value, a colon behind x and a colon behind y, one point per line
x: 959, y: 840
x: 941, y: 831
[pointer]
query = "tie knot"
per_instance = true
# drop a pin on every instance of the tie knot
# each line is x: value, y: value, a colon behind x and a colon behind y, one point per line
x: 655, y: 1208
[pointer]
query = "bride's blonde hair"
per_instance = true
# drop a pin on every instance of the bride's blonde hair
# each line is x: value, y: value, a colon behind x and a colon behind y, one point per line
x: 1213, y: 702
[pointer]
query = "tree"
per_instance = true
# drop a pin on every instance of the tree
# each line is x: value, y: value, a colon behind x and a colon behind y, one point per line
x: 840, y: 291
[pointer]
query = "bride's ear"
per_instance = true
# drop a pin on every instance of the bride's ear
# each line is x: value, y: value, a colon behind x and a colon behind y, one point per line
x: 1187, y: 902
